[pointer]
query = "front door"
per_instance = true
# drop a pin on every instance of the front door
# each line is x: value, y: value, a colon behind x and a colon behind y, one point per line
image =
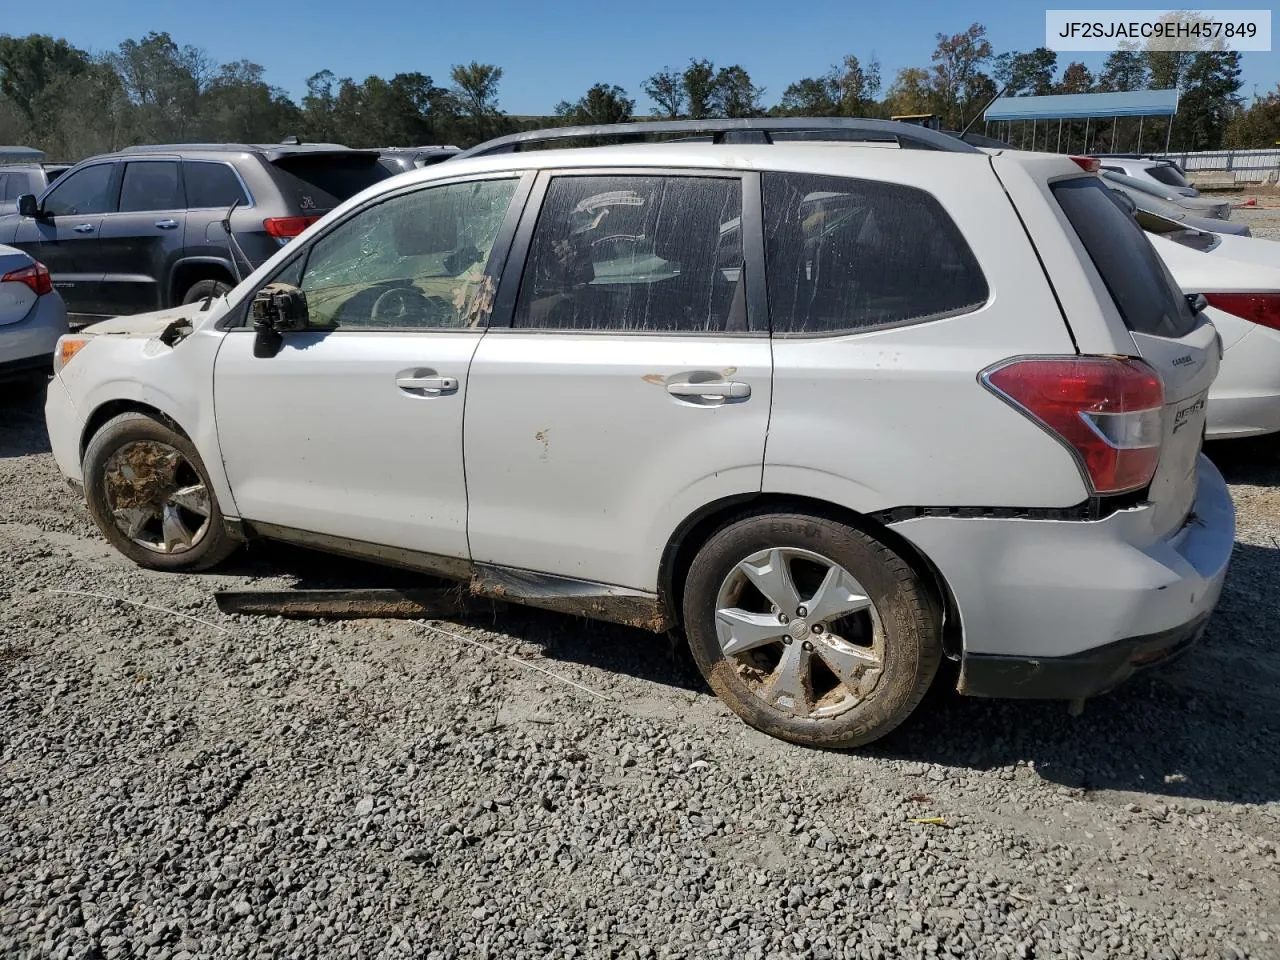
x: 66, y: 236
x: 632, y: 384
x: 354, y: 429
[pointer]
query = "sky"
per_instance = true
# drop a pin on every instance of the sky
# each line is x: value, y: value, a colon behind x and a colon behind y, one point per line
x: 554, y: 51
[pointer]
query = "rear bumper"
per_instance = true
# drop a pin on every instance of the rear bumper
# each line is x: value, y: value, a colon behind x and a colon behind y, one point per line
x: 1065, y: 609
x: 26, y: 347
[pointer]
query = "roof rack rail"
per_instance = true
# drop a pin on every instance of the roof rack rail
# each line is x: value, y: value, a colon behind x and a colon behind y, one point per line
x: 746, y: 130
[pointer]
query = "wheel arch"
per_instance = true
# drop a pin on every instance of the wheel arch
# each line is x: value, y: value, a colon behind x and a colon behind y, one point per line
x: 113, y: 408
x: 191, y: 270
x: 699, y: 527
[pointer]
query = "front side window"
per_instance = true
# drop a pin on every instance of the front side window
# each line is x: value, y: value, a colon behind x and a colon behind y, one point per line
x: 153, y: 185
x: 83, y: 192
x: 416, y: 260
x: 636, y: 254
x: 843, y: 255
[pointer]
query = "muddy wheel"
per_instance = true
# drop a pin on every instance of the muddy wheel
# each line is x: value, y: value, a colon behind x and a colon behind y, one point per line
x: 206, y: 288
x: 149, y: 494
x: 811, y: 630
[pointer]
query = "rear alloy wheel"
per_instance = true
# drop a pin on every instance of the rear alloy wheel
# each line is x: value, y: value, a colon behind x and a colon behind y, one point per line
x: 206, y: 288
x: 149, y: 494
x: 811, y: 630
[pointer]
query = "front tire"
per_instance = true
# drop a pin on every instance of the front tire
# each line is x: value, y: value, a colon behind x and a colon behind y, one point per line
x: 148, y: 491
x: 811, y: 630
x: 206, y: 288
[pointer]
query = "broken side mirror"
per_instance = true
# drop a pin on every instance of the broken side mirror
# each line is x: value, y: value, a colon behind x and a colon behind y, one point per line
x: 277, y: 309
x: 1197, y: 302
x: 28, y: 206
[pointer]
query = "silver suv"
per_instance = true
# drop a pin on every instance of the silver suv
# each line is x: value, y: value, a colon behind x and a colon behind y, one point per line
x: 837, y: 410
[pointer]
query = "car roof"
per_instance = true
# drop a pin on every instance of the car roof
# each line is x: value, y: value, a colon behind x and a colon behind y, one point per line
x: 271, y: 151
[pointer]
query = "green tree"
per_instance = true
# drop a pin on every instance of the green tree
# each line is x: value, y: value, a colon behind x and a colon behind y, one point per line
x: 735, y: 94
x: 957, y: 80
x: 1209, y: 100
x: 666, y: 89
x: 1026, y: 74
x: 164, y: 81
x: 847, y: 90
x: 476, y: 87
x: 239, y: 106
x: 1124, y: 69
x: 1255, y: 128
x: 699, y: 79
x: 603, y: 103
x: 30, y: 65
x: 910, y: 93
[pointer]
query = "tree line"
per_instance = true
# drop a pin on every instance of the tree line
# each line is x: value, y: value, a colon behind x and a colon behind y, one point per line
x: 153, y: 90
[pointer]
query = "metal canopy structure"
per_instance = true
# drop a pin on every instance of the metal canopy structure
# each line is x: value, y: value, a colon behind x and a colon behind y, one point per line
x: 1041, y: 111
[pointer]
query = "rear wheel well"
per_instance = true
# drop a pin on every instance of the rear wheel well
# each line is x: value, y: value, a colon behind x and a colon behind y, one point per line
x: 186, y: 275
x: 113, y: 408
x: 698, y: 529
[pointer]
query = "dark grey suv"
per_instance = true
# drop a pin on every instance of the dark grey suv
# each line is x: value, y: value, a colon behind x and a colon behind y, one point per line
x: 142, y: 229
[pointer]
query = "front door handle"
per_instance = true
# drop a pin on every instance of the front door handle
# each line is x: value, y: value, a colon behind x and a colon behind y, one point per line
x: 83, y: 228
x: 167, y: 224
x: 427, y: 386
x: 711, y: 389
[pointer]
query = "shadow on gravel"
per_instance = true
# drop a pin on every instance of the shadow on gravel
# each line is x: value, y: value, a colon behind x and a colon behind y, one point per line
x: 1205, y: 727
x: 22, y: 430
x: 1255, y: 460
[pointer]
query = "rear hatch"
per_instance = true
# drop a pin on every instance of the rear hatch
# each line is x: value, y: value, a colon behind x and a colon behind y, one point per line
x: 1167, y: 333
x: 315, y: 182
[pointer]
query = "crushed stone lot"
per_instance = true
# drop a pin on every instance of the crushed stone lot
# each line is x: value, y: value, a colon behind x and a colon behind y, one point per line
x: 187, y: 784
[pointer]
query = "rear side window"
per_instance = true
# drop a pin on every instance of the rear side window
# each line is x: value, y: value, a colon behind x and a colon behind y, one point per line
x: 323, y: 181
x: 1167, y: 175
x: 844, y: 255
x: 152, y: 185
x: 636, y: 254
x: 211, y: 185
x: 1139, y: 283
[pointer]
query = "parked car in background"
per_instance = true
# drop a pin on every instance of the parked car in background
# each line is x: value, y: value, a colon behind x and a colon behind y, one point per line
x: 32, y: 317
x: 1178, y: 211
x: 400, y: 159
x: 1196, y: 206
x: 19, y: 178
x: 142, y: 229
x: 982, y: 393
x: 1162, y: 174
x: 1240, y: 280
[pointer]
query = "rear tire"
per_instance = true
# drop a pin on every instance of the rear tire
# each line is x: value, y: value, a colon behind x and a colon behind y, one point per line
x: 148, y: 491
x: 811, y: 630
x: 206, y: 288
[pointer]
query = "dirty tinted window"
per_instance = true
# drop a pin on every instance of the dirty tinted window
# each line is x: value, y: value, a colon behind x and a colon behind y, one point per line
x: 83, y: 192
x: 843, y: 255
x: 416, y: 260
x: 1140, y: 285
x: 152, y: 185
x: 211, y: 185
x: 636, y: 254
x: 321, y: 182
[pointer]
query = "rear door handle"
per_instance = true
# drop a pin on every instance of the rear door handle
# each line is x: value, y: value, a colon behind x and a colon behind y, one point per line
x: 427, y: 386
x: 83, y: 228
x: 723, y: 389
x: 167, y: 224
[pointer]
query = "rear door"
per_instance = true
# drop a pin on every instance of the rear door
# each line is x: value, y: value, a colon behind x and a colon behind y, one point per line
x: 631, y: 385
x: 66, y: 238
x: 141, y: 240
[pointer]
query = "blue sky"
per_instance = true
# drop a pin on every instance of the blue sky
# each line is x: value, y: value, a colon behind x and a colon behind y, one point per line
x: 555, y: 51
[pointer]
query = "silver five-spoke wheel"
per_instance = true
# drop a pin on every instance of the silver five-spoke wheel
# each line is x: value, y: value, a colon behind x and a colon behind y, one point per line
x: 801, y: 631
x: 156, y: 497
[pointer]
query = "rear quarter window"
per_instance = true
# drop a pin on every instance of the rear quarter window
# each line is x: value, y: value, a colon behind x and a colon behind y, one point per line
x: 1168, y: 175
x: 1143, y: 290
x: 323, y: 181
x: 843, y: 255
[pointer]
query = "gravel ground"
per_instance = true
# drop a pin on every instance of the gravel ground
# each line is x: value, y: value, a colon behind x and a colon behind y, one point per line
x: 1263, y: 220
x: 186, y: 784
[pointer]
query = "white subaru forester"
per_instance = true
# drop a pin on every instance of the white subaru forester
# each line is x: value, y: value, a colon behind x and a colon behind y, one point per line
x: 837, y: 410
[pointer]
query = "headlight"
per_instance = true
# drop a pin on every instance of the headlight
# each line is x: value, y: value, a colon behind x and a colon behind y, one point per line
x: 68, y: 346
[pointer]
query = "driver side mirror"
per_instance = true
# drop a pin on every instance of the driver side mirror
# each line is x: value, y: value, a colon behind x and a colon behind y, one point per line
x: 277, y: 309
x: 28, y: 205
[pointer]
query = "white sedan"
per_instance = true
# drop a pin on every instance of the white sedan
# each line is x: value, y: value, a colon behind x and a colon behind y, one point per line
x: 1240, y: 279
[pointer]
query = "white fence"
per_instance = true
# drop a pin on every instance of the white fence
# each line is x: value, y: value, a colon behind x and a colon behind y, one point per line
x: 1246, y: 166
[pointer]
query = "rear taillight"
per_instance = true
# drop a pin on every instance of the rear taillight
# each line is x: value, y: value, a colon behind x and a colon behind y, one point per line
x: 1088, y: 164
x: 1261, y: 308
x: 35, y: 276
x: 284, y: 228
x: 1106, y: 409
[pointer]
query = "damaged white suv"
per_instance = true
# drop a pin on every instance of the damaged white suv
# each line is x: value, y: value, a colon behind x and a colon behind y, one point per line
x: 838, y: 410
